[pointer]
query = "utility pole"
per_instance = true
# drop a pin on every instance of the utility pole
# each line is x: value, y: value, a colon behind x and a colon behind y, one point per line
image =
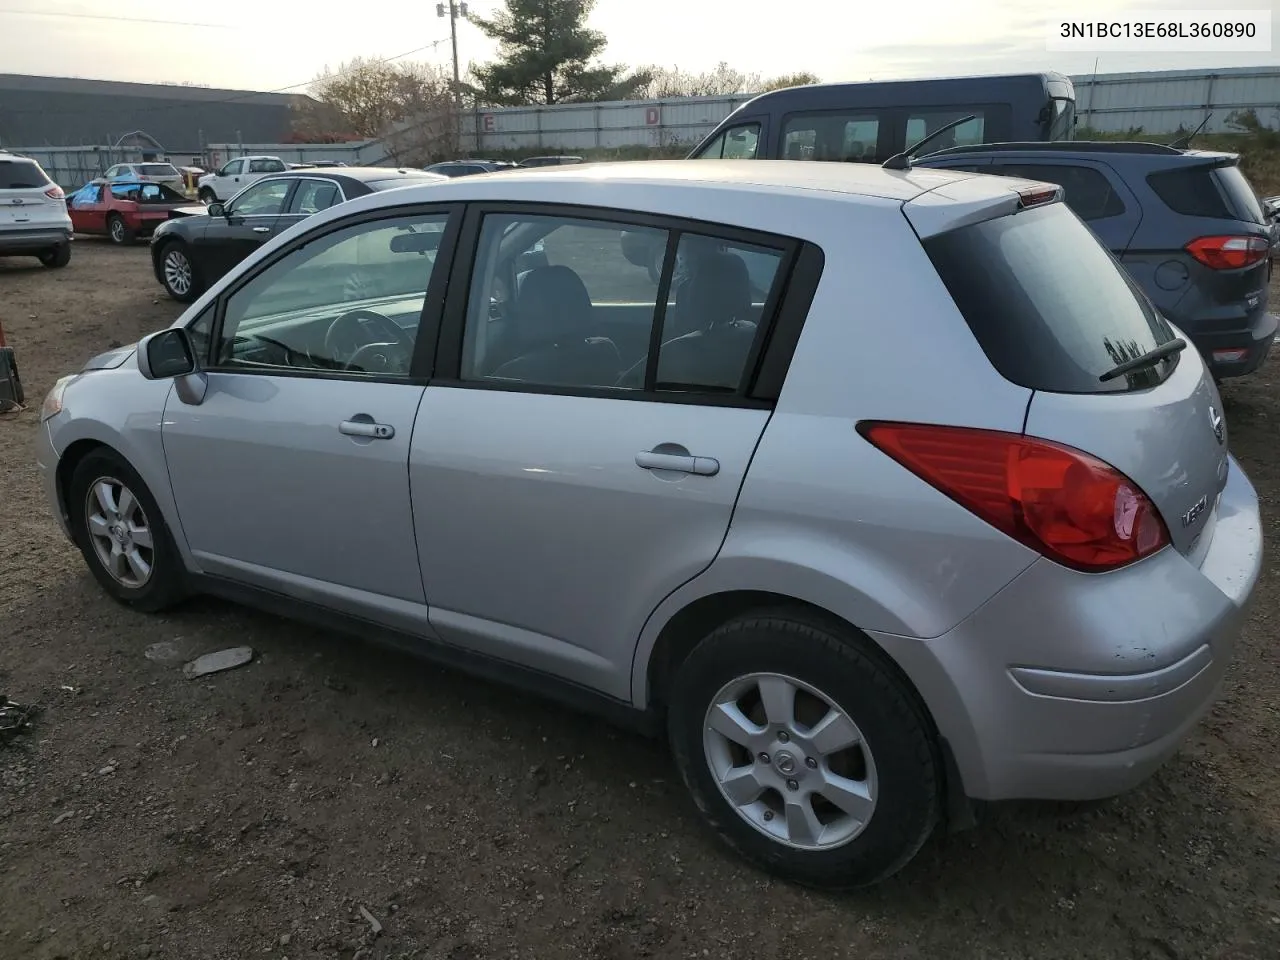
x: 456, y: 10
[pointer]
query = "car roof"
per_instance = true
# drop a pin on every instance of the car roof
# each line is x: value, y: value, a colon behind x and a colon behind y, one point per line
x: 363, y: 174
x: 851, y: 180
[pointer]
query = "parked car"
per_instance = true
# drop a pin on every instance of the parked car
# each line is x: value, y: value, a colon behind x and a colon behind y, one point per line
x: 189, y: 253
x: 1186, y: 225
x: 165, y: 173
x: 123, y: 210
x: 33, y: 213
x: 235, y: 175
x: 949, y: 514
x: 548, y: 161
x: 467, y: 168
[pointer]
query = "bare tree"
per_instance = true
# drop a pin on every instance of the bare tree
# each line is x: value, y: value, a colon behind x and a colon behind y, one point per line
x: 658, y: 83
x: 409, y: 105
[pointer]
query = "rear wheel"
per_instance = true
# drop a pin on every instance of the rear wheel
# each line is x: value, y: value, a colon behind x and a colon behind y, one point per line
x: 805, y: 750
x: 122, y: 535
x: 178, y: 273
x: 57, y: 257
x: 118, y: 231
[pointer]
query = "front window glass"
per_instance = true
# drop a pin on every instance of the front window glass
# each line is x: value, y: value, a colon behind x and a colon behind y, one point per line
x: 736, y: 143
x: 261, y: 200
x: 349, y: 302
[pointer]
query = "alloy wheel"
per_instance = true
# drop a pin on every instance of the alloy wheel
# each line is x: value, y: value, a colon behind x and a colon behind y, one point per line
x: 119, y: 532
x: 790, y: 761
x: 177, y: 272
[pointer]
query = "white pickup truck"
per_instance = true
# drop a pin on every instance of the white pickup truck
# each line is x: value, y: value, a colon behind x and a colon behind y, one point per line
x: 235, y: 175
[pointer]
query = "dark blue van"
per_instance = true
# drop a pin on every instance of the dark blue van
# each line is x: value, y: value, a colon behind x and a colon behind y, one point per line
x: 870, y: 122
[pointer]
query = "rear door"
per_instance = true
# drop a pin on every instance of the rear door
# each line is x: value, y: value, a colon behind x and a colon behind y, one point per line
x: 1054, y: 313
x: 554, y: 508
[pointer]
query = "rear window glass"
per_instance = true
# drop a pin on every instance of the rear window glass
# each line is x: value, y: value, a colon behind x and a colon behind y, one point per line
x: 20, y: 174
x: 158, y: 170
x: 1192, y: 192
x: 1048, y: 304
x: 1241, y: 194
x: 1088, y: 192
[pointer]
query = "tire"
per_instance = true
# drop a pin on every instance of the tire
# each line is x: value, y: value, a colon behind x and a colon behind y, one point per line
x: 118, y: 231
x: 894, y: 762
x: 97, y: 529
x: 58, y: 257
x: 206, y: 195
x: 172, y: 257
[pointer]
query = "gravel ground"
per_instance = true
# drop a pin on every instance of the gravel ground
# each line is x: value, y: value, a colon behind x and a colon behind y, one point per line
x: 257, y: 812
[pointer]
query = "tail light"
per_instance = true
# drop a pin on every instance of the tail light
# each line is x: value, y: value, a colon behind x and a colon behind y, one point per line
x: 1037, y: 195
x: 1229, y: 253
x: 55, y: 193
x: 1059, y: 501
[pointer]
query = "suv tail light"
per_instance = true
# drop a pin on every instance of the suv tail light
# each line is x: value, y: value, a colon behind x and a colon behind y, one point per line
x: 1229, y: 253
x: 55, y: 193
x: 1059, y: 501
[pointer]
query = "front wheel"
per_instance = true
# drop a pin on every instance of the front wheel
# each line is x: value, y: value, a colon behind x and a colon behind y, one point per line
x: 207, y: 196
x: 118, y: 231
x: 123, y: 536
x: 178, y: 273
x: 805, y: 750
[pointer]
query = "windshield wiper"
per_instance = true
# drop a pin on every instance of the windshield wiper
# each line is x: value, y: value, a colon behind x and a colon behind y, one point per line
x: 1148, y: 359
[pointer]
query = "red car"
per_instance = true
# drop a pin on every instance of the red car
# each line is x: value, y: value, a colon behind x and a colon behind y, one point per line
x: 125, y: 209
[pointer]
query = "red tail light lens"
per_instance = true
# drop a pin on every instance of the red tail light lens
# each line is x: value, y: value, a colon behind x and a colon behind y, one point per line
x: 1060, y: 502
x: 1229, y: 253
x: 55, y: 193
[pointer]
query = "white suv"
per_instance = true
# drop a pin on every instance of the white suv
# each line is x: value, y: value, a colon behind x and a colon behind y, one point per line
x: 33, y: 213
x: 237, y: 174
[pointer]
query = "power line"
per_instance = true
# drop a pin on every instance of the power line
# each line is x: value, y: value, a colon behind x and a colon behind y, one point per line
x: 186, y: 105
x: 103, y: 16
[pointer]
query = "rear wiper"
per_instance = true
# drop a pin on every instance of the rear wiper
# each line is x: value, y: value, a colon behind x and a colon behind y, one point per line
x: 1148, y: 359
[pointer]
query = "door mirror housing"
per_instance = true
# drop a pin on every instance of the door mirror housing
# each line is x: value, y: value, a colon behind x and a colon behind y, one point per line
x: 217, y: 210
x: 167, y: 354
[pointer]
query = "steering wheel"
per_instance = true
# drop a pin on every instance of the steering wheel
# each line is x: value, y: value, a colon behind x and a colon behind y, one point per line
x: 346, y: 336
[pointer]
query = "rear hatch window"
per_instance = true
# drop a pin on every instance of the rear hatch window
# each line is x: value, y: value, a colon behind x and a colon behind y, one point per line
x: 1048, y: 304
x: 1220, y: 192
x: 22, y: 175
x: 159, y: 170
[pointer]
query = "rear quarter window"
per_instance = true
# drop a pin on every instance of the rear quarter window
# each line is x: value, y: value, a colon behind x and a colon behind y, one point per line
x: 1088, y: 191
x: 21, y: 174
x: 1048, y: 304
x: 1192, y: 192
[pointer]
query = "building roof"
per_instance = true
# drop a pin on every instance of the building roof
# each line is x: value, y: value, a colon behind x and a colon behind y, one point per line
x: 17, y: 82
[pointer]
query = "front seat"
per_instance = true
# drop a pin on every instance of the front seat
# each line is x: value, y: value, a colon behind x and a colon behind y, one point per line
x: 553, y: 319
x: 716, y: 303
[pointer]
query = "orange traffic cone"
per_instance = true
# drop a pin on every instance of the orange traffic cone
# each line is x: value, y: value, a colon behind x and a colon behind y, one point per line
x: 11, y: 394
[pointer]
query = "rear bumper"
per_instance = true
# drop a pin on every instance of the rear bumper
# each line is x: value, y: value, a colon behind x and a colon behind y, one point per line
x: 33, y: 240
x: 1070, y: 686
x: 1246, y: 344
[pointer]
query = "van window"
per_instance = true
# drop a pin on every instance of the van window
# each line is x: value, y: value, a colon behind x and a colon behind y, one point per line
x: 735, y: 143
x: 921, y: 123
x: 1049, y: 306
x: 831, y: 136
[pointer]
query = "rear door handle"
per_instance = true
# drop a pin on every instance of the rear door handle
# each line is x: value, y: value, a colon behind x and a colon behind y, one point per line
x: 261, y: 229
x: 702, y: 466
x: 367, y: 428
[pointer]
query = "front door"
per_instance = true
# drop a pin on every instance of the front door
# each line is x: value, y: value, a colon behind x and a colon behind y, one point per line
x: 292, y: 473
x: 251, y: 219
x: 563, y: 481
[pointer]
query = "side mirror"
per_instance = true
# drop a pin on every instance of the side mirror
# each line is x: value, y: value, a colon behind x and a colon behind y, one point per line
x: 217, y: 210
x: 166, y: 354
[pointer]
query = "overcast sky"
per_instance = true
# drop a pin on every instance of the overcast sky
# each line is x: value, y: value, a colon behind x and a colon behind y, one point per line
x: 243, y: 45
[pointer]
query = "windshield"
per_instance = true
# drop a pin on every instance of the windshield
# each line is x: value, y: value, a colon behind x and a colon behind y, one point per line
x: 1048, y: 303
x: 1062, y: 119
x: 158, y: 170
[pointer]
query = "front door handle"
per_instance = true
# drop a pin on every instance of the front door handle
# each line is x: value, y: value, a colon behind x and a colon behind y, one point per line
x: 367, y: 428
x: 261, y: 229
x: 702, y: 466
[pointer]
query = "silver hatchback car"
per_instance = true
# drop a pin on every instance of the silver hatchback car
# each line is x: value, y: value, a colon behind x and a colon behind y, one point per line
x: 940, y: 510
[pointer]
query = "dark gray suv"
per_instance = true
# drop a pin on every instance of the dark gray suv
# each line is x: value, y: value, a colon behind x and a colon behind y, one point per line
x: 1186, y: 224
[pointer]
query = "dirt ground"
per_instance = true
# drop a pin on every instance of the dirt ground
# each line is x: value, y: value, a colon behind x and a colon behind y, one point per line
x: 256, y: 812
